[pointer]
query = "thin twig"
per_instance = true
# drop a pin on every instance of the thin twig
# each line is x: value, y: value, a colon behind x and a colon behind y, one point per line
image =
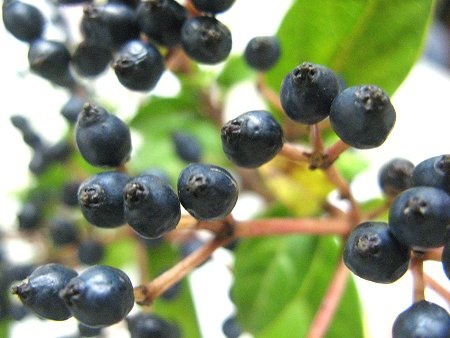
x: 416, y: 268
x: 295, y: 152
x: 438, y: 288
x: 270, y: 95
x: 335, y: 150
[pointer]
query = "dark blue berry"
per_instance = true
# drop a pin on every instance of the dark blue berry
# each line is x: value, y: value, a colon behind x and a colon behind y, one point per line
x: 161, y: 21
x: 373, y: 253
x: 130, y: 3
x: 433, y: 172
x: 39, y: 292
x: 158, y: 172
x: 102, y: 138
x: 30, y: 215
x: 187, y: 147
x: 145, y: 325
x: 212, y: 6
x: 138, y: 65
x: 99, y: 296
x: 69, y: 193
x: 207, y: 192
x: 206, y: 40
x: 87, y: 331
x: 191, y: 245
x: 395, y: 176
x: 252, y: 139
x: 72, y: 108
x: 231, y: 327
x: 63, y: 232
x: 101, y: 201
x: 23, y: 20
x: 420, y: 216
x: 90, y: 60
x: 262, y: 52
x: 307, y: 92
x: 362, y: 116
x: 423, y: 319
x: 152, y: 207
x: 29, y: 135
x: 91, y: 251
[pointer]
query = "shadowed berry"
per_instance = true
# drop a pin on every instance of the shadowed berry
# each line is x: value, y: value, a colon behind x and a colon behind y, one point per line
x: 23, y: 20
x: 262, y: 52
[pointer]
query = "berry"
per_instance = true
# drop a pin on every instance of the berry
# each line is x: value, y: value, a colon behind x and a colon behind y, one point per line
x: 151, y: 206
x: 422, y: 319
x: 252, y: 139
x: 212, y: 6
x: 395, y: 176
x: 131, y: 3
x: 99, y: 296
x: 29, y: 136
x: 373, y: 253
x: 307, y: 92
x: 72, y: 2
x: 87, y: 331
x: 100, y: 199
x: 63, y: 232
x: 262, y: 52
x: 187, y: 146
x: 50, y: 60
x: 446, y: 258
x: 69, y: 193
x: 161, y: 21
x: 138, y: 65
x: 231, y: 328
x: 109, y: 25
x: 207, y: 192
x: 362, y: 116
x: 102, y: 138
x: 160, y: 173
x: 24, y: 21
x: 91, y: 252
x: 433, y: 172
x: 143, y: 325
x: 30, y: 216
x: 206, y: 40
x: 191, y: 245
x: 419, y: 217
x: 72, y: 108
x: 39, y: 292
x: 90, y: 60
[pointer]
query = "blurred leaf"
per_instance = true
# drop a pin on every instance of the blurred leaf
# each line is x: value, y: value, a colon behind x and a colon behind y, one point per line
x: 280, y: 282
x: 120, y: 253
x: 234, y: 71
x: 4, y: 328
x: 366, y: 41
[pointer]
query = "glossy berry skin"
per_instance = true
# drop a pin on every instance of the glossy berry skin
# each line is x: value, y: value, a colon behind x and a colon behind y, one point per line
x: 420, y: 216
x: 262, y: 52
x: 307, y: 92
x: 187, y: 146
x: 50, y: 60
x: 422, y: 319
x: 362, y: 116
x: 252, y: 139
x: 433, y: 172
x: 100, y: 199
x: 91, y: 251
x: 446, y: 258
x: 373, y: 253
x: 24, y: 21
x: 144, y: 325
x: 207, y: 192
x: 90, y: 60
x: 99, y: 296
x: 39, y: 292
x: 206, y: 40
x: 152, y: 207
x: 395, y: 176
x: 102, y: 138
x: 161, y: 21
x: 109, y: 25
x: 212, y: 6
x: 138, y: 65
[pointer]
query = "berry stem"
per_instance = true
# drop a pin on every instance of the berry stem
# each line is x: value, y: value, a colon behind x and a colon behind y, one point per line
x: 295, y: 152
x: 416, y: 268
x: 145, y: 294
x: 335, y: 150
x: 271, y: 96
x: 315, y: 138
x: 330, y: 302
x: 142, y: 261
x: 438, y: 288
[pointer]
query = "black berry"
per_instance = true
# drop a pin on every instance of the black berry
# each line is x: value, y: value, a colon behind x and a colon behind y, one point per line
x: 24, y: 21
x: 187, y: 146
x: 90, y: 60
x: 262, y: 52
x: 143, y: 325
x: 395, y: 176
x: 63, y: 231
x: 72, y: 108
x: 231, y: 327
x: 212, y: 6
x: 433, y: 172
x: 91, y: 251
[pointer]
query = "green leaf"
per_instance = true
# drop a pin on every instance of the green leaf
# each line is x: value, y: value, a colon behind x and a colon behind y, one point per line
x: 280, y: 282
x: 234, y: 71
x: 120, y: 253
x: 4, y: 328
x: 365, y: 41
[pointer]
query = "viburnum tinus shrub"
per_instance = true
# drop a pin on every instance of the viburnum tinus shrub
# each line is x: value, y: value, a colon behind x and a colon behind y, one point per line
x: 124, y: 206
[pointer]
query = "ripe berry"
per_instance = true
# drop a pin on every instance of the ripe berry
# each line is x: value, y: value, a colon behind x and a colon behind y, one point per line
x: 252, y: 139
x: 395, y: 176
x: 69, y: 193
x: 187, y: 147
x: 206, y: 191
x: 307, y: 92
x: 422, y: 319
x: 30, y: 137
x: 138, y: 65
x: 161, y: 21
x: 63, y: 231
x: 39, y: 292
x: 373, y: 253
x: 100, y: 199
x: 87, y: 331
x: 206, y: 40
x: 50, y: 60
x: 433, y: 172
x: 212, y: 6
x: 262, y: 52
x: 30, y: 215
x: 231, y: 328
x: 91, y: 251
x: 362, y: 116
x: 419, y: 217
x: 24, y: 21
x: 99, y: 296
x: 446, y: 258
x: 151, y: 206
x: 72, y: 108
x: 102, y: 138
x: 90, y: 60
x: 143, y: 325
